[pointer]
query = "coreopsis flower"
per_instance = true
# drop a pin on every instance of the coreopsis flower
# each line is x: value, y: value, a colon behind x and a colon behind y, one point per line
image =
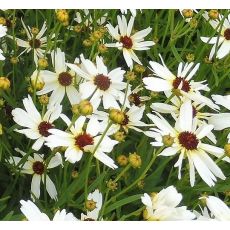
x: 186, y: 140
x: 36, y: 126
x: 35, y: 42
x: 60, y: 82
x: 221, y: 120
x: 32, y: 213
x: 100, y: 84
x: 93, y: 206
x: 174, y: 110
x: 128, y: 42
x: 3, y: 30
x: 135, y: 97
x: 163, y: 206
x: 80, y: 140
x: 180, y: 84
x: 222, y: 41
x: 86, y: 18
x: 219, y: 210
x: 37, y: 166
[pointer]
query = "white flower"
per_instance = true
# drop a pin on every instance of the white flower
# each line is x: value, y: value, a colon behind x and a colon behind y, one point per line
x: 59, y: 82
x: 34, y: 42
x: 32, y: 213
x: 181, y: 84
x: 127, y: 42
x: 217, y: 208
x: 222, y: 41
x: 3, y: 30
x: 187, y: 142
x: 100, y: 84
x: 95, y: 197
x: 36, y: 166
x: 221, y: 120
x: 80, y: 140
x: 87, y: 19
x: 162, y: 206
x: 132, y: 11
x: 36, y: 126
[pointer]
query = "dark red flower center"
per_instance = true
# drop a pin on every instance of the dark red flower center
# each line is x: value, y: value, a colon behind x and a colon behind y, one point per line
x: 188, y: 140
x: 102, y: 82
x: 135, y: 99
x: 83, y: 140
x: 44, y: 127
x: 35, y: 43
x: 227, y: 34
x: 126, y: 120
x: 185, y: 84
x: 65, y: 79
x: 38, y: 167
x: 126, y: 41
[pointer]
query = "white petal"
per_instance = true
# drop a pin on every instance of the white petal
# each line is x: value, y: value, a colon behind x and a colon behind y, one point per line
x: 35, y: 185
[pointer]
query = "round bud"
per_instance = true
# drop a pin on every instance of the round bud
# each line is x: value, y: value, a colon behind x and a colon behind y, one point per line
x: 90, y: 205
x: 112, y: 185
x: 1, y: 129
x: 167, y: 140
x: 187, y: 13
x: 122, y: 160
x: 116, y: 115
x: 102, y: 48
x: 190, y: 57
x: 74, y: 174
x: 213, y: 14
x: 139, y: 68
x: 193, y: 23
x: 44, y: 99
x: 87, y: 43
x: 34, y: 30
x: 4, y: 83
x: 119, y: 136
x: 135, y: 160
x: 62, y: 15
x: 227, y: 149
x: 75, y: 109
x: 130, y: 76
x: 14, y: 60
x: 77, y: 28
x: 42, y: 63
x: 2, y: 21
x: 141, y: 184
x: 85, y: 108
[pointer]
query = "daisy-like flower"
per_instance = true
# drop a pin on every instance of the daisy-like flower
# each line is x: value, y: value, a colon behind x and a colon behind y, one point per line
x: 80, y: 140
x: 35, y: 42
x: 87, y: 18
x: 163, y: 206
x: 94, y: 204
x: 36, y: 166
x: 127, y: 42
x: 186, y: 140
x: 135, y: 98
x: 36, y: 126
x: 3, y: 30
x: 59, y: 82
x: 221, y: 120
x: 180, y: 84
x: 100, y: 84
x: 222, y: 41
x: 32, y: 213
x: 217, y: 207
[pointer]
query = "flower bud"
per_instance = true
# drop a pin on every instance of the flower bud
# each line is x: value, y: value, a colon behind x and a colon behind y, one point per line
x: 2, y: 21
x: 190, y: 57
x: 139, y: 68
x: 74, y: 174
x: 227, y: 149
x: 1, y: 129
x: 34, y: 30
x: 167, y: 140
x: 85, y: 108
x: 87, y: 43
x: 135, y: 160
x: 187, y: 13
x: 130, y: 76
x: 112, y: 185
x: 42, y: 63
x: 62, y: 15
x: 122, y: 160
x: 213, y: 14
x: 77, y: 28
x: 44, y: 99
x: 116, y: 115
x: 102, y: 48
x: 14, y: 60
x: 141, y: 184
x: 4, y: 83
x: 90, y: 205
x: 193, y: 23
x: 119, y: 136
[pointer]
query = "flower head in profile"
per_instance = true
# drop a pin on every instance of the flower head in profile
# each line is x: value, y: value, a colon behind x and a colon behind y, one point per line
x: 181, y: 84
x: 100, y: 84
x: 36, y: 42
x: 163, y: 206
x: 60, y: 82
x: 218, y: 209
x: 186, y: 139
x: 36, y: 126
x: 93, y: 206
x: 222, y: 40
x: 33, y: 213
x: 3, y: 30
x: 128, y: 42
x: 82, y: 138
x: 37, y: 167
